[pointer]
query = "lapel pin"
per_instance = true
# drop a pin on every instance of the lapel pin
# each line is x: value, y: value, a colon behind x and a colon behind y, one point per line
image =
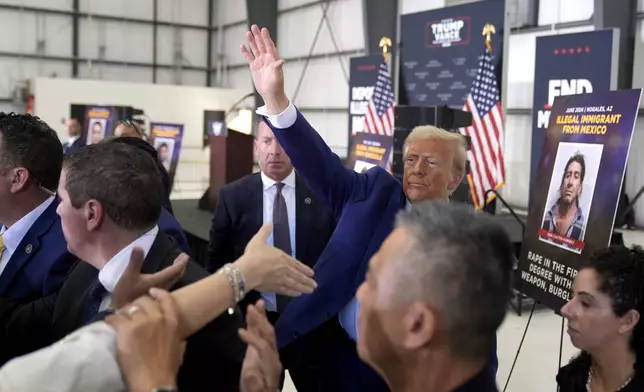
x: 29, y: 248
x: 307, y: 200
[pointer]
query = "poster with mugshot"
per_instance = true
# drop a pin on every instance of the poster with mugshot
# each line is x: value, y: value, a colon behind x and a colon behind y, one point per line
x: 99, y: 123
x: 167, y: 139
x: 580, y: 174
x: 369, y: 150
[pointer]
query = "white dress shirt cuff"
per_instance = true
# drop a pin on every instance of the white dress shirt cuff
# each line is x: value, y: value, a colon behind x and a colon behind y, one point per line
x: 280, y: 121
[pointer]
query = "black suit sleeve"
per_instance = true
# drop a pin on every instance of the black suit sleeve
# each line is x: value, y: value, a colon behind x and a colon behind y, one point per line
x: 221, y: 248
x: 26, y: 326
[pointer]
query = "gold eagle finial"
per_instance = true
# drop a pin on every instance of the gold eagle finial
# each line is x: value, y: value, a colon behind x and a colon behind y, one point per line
x: 488, y: 30
x: 385, y: 43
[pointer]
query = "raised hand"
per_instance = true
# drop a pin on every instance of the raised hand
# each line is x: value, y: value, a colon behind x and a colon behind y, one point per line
x: 266, y: 268
x: 262, y: 368
x: 266, y: 69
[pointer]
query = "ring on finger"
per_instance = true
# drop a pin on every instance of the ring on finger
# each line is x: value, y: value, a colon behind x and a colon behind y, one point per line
x: 133, y: 309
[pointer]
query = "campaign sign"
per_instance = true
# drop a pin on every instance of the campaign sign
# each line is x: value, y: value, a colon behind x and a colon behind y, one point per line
x: 440, y: 51
x: 166, y: 139
x: 363, y: 75
x: 569, y: 64
x: 369, y: 150
x: 580, y: 174
x: 99, y: 123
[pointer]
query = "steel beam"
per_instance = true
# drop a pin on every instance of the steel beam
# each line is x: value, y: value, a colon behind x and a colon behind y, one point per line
x: 608, y: 15
x: 75, y: 39
x: 155, y: 32
x: 211, y: 9
x: 264, y: 14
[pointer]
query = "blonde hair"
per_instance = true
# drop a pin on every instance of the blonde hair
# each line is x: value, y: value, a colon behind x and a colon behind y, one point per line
x: 430, y: 132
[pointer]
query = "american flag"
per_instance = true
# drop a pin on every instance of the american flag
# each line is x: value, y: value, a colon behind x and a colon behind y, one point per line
x: 487, y: 167
x: 379, y: 116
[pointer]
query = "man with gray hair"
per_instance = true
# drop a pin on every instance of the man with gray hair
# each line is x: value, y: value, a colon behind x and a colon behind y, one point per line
x: 364, y: 206
x: 435, y: 294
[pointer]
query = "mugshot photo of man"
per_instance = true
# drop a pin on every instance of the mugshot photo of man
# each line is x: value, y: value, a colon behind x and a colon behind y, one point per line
x: 566, y: 217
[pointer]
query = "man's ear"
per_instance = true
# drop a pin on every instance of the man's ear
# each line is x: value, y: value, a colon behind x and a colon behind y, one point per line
x: 94, y: 214
x: 454, y: 181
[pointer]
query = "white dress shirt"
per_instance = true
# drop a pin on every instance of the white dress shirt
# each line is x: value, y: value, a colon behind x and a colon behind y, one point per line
x: 72, y: 140
x: 288, y: 191
x: 83, y: 361
x: 12, y: 236
x: 111, y: 273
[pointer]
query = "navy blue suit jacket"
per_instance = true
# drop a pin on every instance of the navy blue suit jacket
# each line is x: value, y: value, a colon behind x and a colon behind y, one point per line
x: 364, y: 205
x: 170, y: 225
x: 41, y: 262
x: 77, y: 145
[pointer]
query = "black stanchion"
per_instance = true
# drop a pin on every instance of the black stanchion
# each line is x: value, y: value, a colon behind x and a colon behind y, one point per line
x: 525, y: 331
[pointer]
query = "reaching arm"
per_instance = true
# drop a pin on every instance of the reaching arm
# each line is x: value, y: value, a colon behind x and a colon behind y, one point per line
x: 313, y: 159
x: 220, y: 248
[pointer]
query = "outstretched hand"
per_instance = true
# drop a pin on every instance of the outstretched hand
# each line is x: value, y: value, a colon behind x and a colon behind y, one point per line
x: 266, y: 268
x: 266, y: 69
x: 133, y: 284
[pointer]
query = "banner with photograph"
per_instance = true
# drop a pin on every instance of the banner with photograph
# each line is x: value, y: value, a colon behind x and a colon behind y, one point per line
x: 363, y: 74
x: 369, y: 150
x: 440, y: 50
x: 99, y: 121
x: 166, y: 139
x: 568, y: 64
x: 579, y: 177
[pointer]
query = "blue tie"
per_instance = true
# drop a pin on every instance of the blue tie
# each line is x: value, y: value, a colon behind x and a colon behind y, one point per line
x: 96, y: 294
x: 281, y: 235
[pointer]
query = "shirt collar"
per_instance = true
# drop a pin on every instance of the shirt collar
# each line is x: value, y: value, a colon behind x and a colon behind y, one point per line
x: 13, y: 235
x: 72, y: 139
x: 288, y: 181
x: 111, y: 273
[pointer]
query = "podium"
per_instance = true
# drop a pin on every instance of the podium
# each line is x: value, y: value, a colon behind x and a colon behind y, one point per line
x: 406, y: 118
x: 231, y: 158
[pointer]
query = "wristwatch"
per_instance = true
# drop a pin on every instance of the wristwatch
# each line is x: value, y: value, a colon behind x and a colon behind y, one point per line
x: 165, y: 389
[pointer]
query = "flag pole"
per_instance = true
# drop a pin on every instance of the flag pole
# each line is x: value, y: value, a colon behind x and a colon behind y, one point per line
x: 385, y: 43
x: 488, y: 31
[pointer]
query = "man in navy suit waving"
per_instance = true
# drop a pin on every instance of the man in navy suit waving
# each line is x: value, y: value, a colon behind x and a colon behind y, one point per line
x: 364, y: 206
x: 33, y: 253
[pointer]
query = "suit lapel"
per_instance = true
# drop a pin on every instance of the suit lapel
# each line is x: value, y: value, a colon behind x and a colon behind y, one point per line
x: 256, y: 200
x: 28, y: 247
x: 163, y: 248
x: 303, y: 218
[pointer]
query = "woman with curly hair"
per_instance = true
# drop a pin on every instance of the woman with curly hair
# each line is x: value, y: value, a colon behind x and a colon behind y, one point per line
x: 604, y: 323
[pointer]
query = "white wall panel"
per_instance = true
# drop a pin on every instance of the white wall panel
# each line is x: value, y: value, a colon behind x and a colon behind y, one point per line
x: 640, y: 5
x: 27, y: 28
x: 635, y: 171
x: 123, y: 41
x: 230, y: 11
x: 638, y: 61
x: 115, y: 72
x: 233, y: 37
x: 137, y: 9
x: 13, y: 71
x: 561, y: 11
x: 518, y: 138
x: 187, y: 77
x: 323, y: 85
x: 65, y: 5
x: 346, y: 23
x: 193, y: 44
x: 194, y: 12
x: 413, y: 6
x: 333, y: 129
x: 521, y: 63
x: 240, y: 79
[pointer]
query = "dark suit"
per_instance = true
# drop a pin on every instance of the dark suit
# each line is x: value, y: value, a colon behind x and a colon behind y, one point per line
x: 77, y: 145
x: 365, y: 206
x: 40, y: 263
x: 171, y: 226
x: 213, y: 356
x: 239, y: 216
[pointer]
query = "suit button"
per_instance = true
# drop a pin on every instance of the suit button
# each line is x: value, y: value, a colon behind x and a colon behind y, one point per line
x: 327, y: 315
x: 295, y: 335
